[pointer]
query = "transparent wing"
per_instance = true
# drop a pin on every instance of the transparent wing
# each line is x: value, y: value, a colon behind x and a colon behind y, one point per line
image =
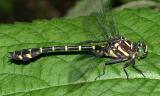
x: 106, y: 20
x: 100, y: 20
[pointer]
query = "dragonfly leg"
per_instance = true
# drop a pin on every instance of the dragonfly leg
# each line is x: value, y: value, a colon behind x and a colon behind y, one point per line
x: 131, y: 62
x: 114, y: 61
x: 138, y: 70
x: 124, y: 68
x: 9, y: 61
x: 102, y: 73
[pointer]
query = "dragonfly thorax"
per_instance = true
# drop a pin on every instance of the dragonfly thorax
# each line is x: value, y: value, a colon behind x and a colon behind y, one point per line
x: 120, y: 47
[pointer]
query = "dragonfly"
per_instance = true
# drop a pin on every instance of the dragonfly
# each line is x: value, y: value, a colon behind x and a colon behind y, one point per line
x: 114, y: 46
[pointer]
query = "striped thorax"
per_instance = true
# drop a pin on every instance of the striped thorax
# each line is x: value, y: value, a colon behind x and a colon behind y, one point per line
x: 122, y: 48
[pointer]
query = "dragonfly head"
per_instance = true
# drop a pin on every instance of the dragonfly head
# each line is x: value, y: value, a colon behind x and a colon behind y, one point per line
x: 142, y: 50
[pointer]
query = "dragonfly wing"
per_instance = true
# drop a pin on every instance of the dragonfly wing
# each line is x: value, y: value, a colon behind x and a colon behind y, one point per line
x: 100, y: 20
x: 106, y: 19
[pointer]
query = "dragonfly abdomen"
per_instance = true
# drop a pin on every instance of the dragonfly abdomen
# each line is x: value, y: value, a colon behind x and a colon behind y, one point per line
x: 27, y: 54
x: 67, y: 48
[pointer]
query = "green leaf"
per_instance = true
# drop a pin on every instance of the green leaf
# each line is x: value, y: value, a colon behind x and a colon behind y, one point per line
x: 73, y: 75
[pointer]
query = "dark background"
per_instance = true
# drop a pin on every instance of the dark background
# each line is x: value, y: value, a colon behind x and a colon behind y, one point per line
x: 28, y: 10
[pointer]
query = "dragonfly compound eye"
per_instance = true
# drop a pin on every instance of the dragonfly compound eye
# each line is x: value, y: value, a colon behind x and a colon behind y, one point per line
x: 142, y: 50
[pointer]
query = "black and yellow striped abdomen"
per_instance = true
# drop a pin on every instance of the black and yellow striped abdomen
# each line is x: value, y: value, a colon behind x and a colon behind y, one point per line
x: 27, y: 54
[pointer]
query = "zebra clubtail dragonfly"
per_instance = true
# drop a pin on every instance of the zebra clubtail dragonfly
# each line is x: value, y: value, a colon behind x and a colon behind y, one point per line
x: 116, y: 47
